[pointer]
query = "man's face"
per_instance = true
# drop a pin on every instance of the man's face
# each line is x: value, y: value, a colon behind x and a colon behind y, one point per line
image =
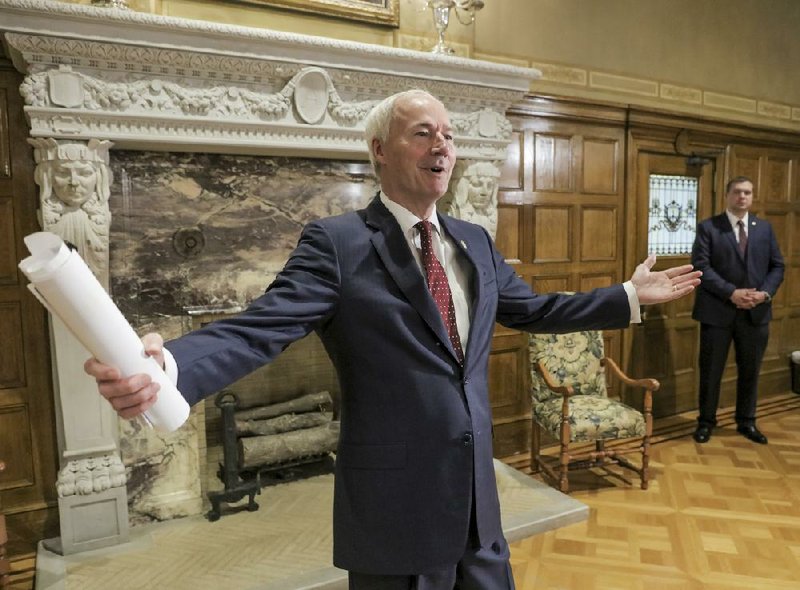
x: 740, y: 197
x: 417, y: 158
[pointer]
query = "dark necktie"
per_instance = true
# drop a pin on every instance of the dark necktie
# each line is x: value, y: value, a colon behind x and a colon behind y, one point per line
x: 439, y: 287
x: 742, y: 237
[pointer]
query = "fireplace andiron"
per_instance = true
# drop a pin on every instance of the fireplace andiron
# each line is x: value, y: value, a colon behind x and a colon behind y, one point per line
x: 236, y: 487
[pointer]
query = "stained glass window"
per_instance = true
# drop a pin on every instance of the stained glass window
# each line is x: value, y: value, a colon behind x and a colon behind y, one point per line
x: 672, y: 215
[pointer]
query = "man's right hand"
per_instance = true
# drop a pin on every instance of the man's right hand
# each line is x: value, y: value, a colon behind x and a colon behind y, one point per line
x: 129, y: 396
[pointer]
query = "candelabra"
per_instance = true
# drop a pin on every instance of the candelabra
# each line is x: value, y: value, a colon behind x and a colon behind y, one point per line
x: 465, y: 13
x: 120, y: 4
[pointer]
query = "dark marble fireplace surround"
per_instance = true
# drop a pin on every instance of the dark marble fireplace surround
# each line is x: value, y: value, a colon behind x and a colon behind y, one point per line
x: 195, y: 236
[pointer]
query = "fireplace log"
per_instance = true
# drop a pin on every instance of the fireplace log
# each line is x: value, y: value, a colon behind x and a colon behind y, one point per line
x: 256, y: 451
x: 306, y: 403
x: 284, y: 423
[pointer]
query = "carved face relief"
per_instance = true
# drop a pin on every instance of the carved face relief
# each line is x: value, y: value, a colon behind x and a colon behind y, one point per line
x: 480, y: 192
x: 74, y: 181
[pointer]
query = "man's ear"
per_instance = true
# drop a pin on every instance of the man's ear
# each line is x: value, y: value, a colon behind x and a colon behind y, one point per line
x: 377, y: 150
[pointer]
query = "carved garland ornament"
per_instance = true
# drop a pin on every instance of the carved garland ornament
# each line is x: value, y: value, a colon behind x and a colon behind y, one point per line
x: 311, y: 89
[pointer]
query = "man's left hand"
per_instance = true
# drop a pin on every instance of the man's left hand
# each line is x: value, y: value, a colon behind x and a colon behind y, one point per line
x: 666, y: 285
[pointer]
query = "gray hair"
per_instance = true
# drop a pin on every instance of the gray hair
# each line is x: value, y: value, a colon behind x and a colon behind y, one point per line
x: 379, y: 120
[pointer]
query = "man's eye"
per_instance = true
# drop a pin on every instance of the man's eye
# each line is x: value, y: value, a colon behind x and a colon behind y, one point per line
x: 448, y: 137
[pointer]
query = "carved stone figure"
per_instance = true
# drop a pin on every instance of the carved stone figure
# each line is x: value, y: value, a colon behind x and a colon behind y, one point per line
x: 75, y: 183
x: 474, y: 195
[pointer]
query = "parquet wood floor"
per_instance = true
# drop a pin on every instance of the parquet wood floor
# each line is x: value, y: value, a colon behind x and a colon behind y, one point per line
x: 724, y: 515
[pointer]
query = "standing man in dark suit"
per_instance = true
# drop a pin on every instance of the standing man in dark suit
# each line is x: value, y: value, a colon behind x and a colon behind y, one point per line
x: 405, y: 301
x: 742, y: 270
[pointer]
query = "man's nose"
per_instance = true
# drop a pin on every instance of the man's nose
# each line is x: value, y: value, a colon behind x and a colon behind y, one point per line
x: 440, y: 145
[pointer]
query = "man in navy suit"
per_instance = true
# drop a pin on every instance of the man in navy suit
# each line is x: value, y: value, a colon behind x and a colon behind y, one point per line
x: 405, y: 301
x: 742, y: 270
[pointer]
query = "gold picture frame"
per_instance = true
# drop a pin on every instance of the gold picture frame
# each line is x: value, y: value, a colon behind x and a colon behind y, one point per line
x: 381, y: 12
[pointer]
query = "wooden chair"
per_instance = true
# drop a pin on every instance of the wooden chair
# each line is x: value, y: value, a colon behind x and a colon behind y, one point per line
x: 4, y: 565
x: 571, y: 404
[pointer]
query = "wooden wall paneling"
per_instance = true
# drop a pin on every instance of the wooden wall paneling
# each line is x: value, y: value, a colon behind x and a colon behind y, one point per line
x: 27, y: 421
x: 509, y: 238
x: 599, y: 234
x: 778, y: 184
x: 512, y: 169
x: 552, y: 234
x: 509, y: 387
x: 601, y: 157
x: 8, y: 270
x: 553, y: 162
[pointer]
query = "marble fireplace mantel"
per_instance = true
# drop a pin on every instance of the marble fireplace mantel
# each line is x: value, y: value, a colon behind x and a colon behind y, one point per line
x: 99, y: 79
x: 151, y: 82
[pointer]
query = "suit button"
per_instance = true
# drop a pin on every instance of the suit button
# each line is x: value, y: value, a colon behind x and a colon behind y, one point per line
x: 466, y: 440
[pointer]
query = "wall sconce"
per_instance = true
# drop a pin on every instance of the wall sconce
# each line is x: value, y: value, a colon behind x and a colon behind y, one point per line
x: 465, y: 13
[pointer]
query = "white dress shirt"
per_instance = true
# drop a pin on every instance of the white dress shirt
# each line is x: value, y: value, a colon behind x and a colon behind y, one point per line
x: 458, y: 270
x: 735, y: 224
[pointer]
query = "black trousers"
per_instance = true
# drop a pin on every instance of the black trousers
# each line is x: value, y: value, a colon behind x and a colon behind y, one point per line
x: 480, y: 568
x: 750, y: 342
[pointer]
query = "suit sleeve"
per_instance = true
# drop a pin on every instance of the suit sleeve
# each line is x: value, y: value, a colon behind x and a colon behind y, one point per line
x: 701, y: 260
x: 775, y: 271
x: 302, y: 297
x: 520, y: 308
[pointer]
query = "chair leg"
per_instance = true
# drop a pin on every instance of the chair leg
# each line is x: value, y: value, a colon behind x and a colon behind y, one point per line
x: 536, y: 445
x: 563, y: 482
x: 645, y: 461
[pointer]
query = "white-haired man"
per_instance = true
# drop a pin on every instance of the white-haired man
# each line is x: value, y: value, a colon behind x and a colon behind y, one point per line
x: 405, y: 301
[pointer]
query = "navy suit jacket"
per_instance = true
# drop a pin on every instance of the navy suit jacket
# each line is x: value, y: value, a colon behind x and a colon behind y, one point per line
x: 416, y: 428
x: 725, y: 269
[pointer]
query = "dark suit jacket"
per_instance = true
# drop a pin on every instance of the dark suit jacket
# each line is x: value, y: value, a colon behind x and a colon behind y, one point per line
x: 717, y: 254
x: 416, y: 428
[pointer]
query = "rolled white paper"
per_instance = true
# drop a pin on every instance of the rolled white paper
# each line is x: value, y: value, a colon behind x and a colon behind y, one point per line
x: 63, y: 283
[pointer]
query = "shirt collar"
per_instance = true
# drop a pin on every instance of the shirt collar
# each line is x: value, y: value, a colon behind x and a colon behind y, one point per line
x: 406, y: 218
x: 735, y: 220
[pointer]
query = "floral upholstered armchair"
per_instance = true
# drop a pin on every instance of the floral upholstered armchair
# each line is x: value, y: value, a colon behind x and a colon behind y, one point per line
x: 571, y: 404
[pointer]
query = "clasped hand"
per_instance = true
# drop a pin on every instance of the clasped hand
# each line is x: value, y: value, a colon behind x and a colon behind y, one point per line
x: 747, y: 298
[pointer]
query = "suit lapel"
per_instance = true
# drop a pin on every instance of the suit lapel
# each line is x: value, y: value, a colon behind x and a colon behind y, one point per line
x: 393, y: 250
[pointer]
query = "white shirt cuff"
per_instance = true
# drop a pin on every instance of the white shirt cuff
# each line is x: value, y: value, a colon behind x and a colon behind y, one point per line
x: 170, y: 366
x: 633, y: 301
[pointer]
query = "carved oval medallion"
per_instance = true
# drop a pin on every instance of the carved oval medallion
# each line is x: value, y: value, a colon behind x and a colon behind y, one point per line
x: 311, y: 96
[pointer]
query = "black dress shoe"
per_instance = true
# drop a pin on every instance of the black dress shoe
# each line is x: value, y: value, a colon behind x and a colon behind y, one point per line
x: 702, y: 434
x: 752, y: 433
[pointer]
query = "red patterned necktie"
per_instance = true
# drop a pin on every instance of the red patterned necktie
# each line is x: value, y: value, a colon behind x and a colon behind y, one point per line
x: 742, y: 237
x: 439, y: 287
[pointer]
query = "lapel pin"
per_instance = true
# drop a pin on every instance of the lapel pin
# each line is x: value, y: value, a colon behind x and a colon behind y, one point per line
x: 463, y: 244
x: 752, y: 223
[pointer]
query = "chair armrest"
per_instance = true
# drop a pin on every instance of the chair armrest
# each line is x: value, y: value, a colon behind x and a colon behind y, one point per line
x: 565, y: 390
x: 649, y: 384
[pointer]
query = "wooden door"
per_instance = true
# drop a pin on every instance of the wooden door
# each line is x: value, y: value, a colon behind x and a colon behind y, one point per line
x: 665, y: 344
x: 27, y: 422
